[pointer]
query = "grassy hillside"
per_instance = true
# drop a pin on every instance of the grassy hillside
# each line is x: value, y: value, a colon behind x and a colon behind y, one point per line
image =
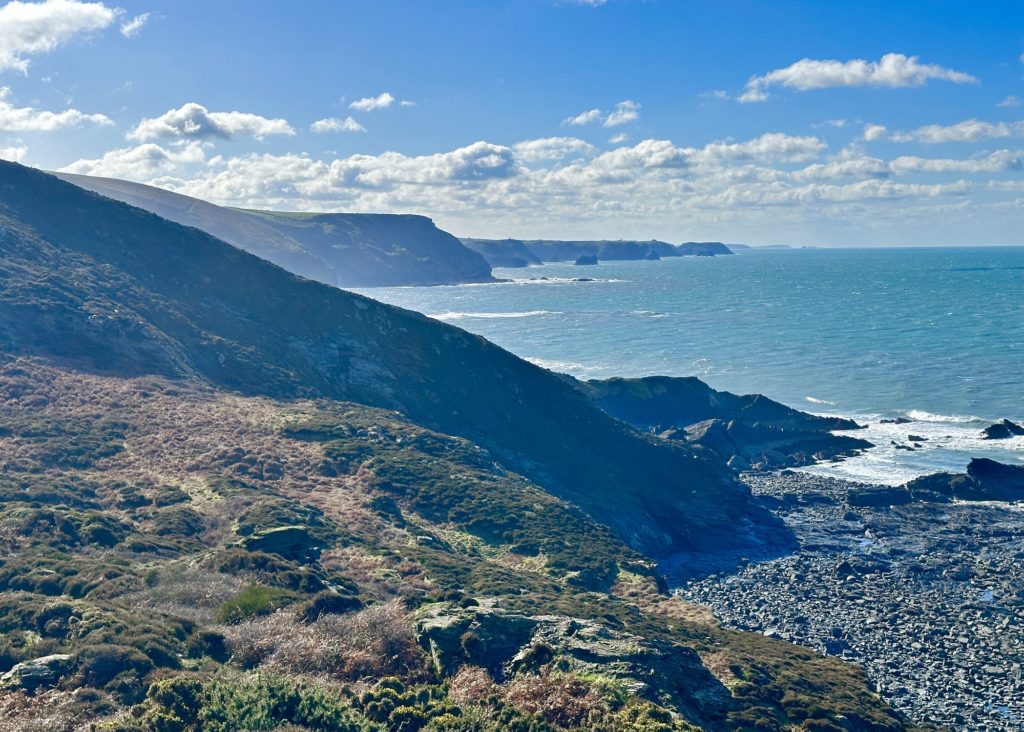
x: 348, y: 250
x: 234, y: 499
x: 180, y: 558
x: 113, y: 288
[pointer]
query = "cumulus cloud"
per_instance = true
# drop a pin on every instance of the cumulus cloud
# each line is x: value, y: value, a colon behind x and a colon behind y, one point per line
x: 28, y: 29
x: 873, y: 132
x: 998, y: 162
x: 568, y: 183
x: 970, y: 130
x: 368, y: 104
x: 29, y: 119
x: 333, y: 124
x: 1010, y: 101
x: 625, y: 112
x: 771, y: 146
x: 194, y: 122
x: 14, y: 153
x: 141, y: 163
x: 584, y: 118
x: 892, y: 70
x: 551, y: 148
x: 131, y: 28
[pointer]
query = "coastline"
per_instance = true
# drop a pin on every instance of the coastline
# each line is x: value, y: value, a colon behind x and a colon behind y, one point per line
x: 867, y: 584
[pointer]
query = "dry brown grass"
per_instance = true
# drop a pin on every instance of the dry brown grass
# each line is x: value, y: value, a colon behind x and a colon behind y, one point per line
x: 53, y: 711
x: 471, y: 685
x: 372, y: 643
x: 561, y: 699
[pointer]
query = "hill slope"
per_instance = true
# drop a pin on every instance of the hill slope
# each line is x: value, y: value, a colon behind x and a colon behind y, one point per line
x: 113, y: 288
x: 187, y: 543
x: 347, y: 250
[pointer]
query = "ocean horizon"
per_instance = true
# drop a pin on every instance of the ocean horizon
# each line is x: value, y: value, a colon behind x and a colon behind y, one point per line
x: 930, y: 334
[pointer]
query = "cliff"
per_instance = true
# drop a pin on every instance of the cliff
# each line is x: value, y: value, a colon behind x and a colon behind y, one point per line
x: 347, y: 250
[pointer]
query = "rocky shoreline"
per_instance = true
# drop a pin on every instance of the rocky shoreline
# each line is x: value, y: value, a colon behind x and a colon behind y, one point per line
x: 928, y: 598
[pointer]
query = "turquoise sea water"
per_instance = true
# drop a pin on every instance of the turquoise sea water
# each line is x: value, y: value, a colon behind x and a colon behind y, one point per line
x: 936, y: 335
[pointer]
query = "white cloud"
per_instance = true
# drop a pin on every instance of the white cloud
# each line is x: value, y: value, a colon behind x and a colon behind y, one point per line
x: 131, y: 28
x: 840, y: 168
x: 141, y: 163
x: 551, y: 148
x: 14, y: 153
x: 970, y: 130
x: 333, y: 124
x: 997, y: 162
x: 368, y: 104
x: 771, y: 146
x: 873, y: 132
x: 565, y: 186
x: 584, y: 118
x: 194, y: 122
x: 619, y: 138
x: 625, y: 112
x: 28, y: 119
x: 892, y: 70
x: 27, y: 29
x: 1010, y: 101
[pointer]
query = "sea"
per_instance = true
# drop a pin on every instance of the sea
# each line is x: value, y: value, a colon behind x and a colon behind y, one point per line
x: 933, y: 335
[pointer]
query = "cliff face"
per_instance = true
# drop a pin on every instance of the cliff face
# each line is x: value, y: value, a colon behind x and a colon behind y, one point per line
x: 521, y: 253
x: 347, y: 250
x: 503, y: 253
x: 112, y: 288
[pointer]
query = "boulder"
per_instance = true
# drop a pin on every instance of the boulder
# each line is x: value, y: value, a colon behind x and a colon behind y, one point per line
x: 999, y: 482
x: 1003, y: 430
x: 290, y: 542
x: 43, y: 672
x: 986, y: 480
x: 879, y: 496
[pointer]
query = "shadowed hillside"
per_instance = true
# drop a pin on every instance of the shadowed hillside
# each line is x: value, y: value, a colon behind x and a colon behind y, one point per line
x: 348, y: 250
x: 116, y: 289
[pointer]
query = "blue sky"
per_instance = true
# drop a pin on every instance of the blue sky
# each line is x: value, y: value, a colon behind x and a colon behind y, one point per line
x: 821, y: 123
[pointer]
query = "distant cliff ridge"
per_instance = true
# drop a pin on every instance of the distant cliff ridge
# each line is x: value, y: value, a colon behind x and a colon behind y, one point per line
x: 522, y: 253
x: 346, y: 250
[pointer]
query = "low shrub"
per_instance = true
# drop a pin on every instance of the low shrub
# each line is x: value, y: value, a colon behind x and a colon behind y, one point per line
x: 253, y: 601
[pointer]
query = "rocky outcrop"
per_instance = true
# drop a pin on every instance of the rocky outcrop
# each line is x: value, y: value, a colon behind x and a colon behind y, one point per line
x: 43, y: 672
x: 760, y: 446
x: 586, y: 259
x: 985, y: 480
x: 749, y: 431
x: 347, y: 250
x: 1003, y: 430
x: 506, y: 643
